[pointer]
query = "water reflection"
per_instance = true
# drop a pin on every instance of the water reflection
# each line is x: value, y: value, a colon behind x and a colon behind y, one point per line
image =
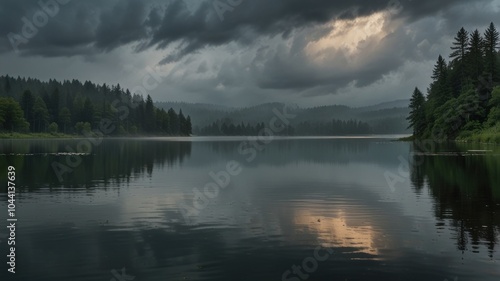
x: 295, y: 196
x: 337, y: 231
x: 466, y: 188
x: 112, y: 160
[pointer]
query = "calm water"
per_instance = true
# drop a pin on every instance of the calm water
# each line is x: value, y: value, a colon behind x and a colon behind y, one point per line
x: 341, y: 209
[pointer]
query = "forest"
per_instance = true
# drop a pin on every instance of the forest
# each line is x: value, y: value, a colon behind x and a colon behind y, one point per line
x: 327, y: 120
x: 463, y: 100
x: 72, y: 107
x: 332, y: 128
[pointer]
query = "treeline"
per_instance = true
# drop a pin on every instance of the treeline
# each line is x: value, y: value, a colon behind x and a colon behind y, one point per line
x: 72, y: 107
x: 227, y: 128
x: 332, y: 128
x: 464, y: 97
x: 135, y: 158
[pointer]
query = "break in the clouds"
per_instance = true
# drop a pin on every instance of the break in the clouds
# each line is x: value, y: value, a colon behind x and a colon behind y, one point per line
x: 239, y: 51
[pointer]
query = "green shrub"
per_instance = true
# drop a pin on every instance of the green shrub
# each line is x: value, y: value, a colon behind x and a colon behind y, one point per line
x: 53, y: 128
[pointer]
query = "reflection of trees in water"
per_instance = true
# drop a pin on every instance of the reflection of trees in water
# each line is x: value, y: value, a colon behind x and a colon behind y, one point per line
x: 466, y: 189
x: 282, y: 151
x: 112, y: 160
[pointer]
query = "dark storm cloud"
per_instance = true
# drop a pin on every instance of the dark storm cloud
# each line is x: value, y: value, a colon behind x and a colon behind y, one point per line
x: 206, y: 27
x: 184, y: 27
x: 75, y: 28
x: 294, y: 70
x: 83, y: 27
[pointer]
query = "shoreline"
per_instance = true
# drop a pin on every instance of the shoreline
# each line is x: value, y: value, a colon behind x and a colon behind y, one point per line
x: 35, y: 136
x: 476, y: 138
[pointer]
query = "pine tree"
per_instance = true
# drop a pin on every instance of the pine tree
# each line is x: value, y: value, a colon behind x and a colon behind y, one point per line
x: 88, y: 112
x: 475, y: 55
x: 27, y: 103
x: 182, y: 123
x: 189, y: 126
x: 149, y: 115
x: 7, y: 86
x: 491, y: 44
x: 174, y: 121
x: 52, y: 102
x: 439, y: 91
x: 65, y: 118
x: 460, y: 46
x: 41, y: 115
x: 439, y: 71
x: 417, y: 114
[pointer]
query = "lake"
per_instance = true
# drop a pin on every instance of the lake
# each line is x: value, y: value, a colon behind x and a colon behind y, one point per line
x: 233, y: 209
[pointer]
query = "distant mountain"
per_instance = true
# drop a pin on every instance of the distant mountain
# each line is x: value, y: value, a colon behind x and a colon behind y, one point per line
x: 203, y: 113
x: 387, y: 117
x: 387, y: 105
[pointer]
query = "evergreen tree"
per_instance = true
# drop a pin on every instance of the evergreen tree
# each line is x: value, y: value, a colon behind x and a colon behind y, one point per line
x: 41, y: 115
x: 439, y: 71
x: 7, y: 86
x: 54, y: 105
x: 11, y: 116
x: 475, y: 55
x: 65, y: 118
x: 149, y: 115
x: 174, y: 121
x: 491, y: 44
x: 88, y: 112
x: 460, y: 45
x: 77, y: 109
x: 165, y: 122
x: 417, y: 114
x: 182, y: 123
x: 27, y: 103
x: 439, y: 91
x: 189, y: 126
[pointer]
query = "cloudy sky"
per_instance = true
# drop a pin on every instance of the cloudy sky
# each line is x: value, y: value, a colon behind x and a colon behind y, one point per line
x: 240, y: 52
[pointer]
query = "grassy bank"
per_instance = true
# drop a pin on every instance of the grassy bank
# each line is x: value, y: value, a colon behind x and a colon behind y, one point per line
x: 66, y: 136
x: 34, y: 136
x: 490, y: 135
x: 483, y: 138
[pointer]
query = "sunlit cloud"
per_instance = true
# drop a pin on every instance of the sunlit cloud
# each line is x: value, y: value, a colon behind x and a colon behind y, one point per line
x: 349, y: 36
